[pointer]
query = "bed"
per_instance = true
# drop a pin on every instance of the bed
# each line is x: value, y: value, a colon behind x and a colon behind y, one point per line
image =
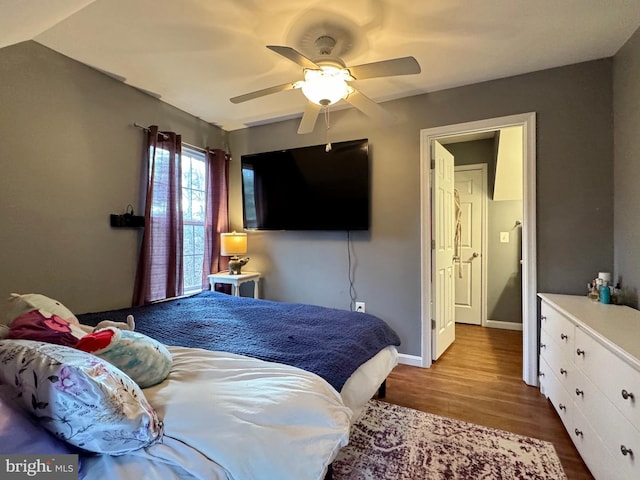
x: 352, y: 351
x: 257, y: 389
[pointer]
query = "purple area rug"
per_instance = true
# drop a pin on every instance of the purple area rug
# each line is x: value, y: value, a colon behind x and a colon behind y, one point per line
x: 390, y: 442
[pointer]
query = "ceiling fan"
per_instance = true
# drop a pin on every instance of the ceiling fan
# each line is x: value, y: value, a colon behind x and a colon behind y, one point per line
x: 327, y: 81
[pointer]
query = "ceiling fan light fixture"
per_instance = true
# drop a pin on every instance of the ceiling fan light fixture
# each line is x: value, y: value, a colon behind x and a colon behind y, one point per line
x: 326, y: 86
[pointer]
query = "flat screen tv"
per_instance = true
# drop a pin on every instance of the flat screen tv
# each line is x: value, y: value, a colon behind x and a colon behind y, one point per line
x: 307, y: 188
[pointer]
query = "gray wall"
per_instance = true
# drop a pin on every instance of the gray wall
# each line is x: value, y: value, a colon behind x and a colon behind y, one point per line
x: 574, y: 193
x: 504, y: 287
x: 626, y: 90
x: 504, y: 272
x: 70, y: 157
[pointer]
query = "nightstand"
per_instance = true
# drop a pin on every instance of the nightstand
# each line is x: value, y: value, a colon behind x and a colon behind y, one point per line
x: 235, y: 281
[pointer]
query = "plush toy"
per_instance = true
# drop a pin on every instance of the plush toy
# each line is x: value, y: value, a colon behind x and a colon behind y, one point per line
x: 144, y: 359
x: 20, y: 304
x: 129, y: 325
x: 34, y: 301
x: 44, y: 326
x: 36, y: 315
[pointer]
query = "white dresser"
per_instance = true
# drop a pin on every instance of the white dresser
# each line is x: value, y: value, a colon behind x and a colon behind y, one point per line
x: 590, y: 370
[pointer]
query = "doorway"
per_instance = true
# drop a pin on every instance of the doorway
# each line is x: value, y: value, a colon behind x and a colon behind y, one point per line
x: 529, y: 302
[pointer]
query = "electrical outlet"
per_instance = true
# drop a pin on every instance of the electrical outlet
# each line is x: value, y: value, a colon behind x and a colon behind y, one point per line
x: 360, y: 307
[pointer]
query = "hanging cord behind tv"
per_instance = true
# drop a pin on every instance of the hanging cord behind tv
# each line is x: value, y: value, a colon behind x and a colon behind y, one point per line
x: 351, y: 273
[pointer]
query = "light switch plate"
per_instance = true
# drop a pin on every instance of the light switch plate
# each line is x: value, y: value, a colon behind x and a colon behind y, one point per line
x: 504, y: 237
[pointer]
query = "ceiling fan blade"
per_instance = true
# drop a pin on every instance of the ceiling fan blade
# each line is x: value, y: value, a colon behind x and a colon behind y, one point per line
x: 369, y: 107
x: 262, y: 93
x: 386, y: 68
x: 294, y: 56
x: 308, y: 122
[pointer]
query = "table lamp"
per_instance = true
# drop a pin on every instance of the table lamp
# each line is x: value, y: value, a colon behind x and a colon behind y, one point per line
x: 232, y: 245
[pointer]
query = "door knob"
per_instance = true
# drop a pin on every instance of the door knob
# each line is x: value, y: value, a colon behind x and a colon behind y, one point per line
x: 626, y: 451
x: 627, y: 395
x: 475, y: 255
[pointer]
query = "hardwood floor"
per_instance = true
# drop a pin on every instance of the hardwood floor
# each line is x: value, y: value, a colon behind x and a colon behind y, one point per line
x: 479, y: 380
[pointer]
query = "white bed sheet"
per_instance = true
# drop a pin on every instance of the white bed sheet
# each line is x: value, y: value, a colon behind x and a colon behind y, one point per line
x: 365, y: 381
x: 233, y: 417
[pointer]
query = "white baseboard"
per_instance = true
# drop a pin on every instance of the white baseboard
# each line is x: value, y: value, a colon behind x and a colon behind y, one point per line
x: 412, y: 360
x: 503, y: 325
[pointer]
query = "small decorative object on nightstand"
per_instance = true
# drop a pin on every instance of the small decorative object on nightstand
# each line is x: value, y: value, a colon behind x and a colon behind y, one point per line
x: 235, y: 280
x: 231, y: 245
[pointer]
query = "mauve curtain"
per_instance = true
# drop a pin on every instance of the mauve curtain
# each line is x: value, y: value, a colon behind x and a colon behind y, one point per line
x: 216, y: 212
x: 160, y: 273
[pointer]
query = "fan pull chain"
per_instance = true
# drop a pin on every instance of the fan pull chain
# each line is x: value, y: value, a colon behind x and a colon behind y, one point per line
x: 326, y: 122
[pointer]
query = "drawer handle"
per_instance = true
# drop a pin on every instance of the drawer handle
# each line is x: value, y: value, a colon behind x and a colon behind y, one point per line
x: 563, y: 371
x: 626, y: 451
x: 543, y: 317
x: 542, y: 345
x: 627, y: 395
x: 578, y: 432
x: 541, y: 374
x: 563, y: 336
x: 562, y: 407
x: 580, y: 351
x: 579, y: 392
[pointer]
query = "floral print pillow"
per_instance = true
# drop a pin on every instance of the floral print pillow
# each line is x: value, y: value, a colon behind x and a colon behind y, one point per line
x: 79, y: 397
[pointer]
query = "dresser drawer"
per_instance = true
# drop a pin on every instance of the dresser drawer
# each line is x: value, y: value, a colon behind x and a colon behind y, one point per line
x: 556, y: 393
x: 544, y: 372
x: 559, y: 327
x: 595, y: 455
x: 615, y: 377
x: 615, y: 431
x: 558, y: 356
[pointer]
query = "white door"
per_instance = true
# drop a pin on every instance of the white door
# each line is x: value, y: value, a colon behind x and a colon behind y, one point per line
x: 442, y: 310
x: 468, y: 270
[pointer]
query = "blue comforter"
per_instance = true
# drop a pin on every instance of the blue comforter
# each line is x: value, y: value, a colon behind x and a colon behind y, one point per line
x: 330, y: 342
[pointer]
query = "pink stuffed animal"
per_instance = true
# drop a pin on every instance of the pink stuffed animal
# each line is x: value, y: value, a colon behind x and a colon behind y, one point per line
x: 48, y: 306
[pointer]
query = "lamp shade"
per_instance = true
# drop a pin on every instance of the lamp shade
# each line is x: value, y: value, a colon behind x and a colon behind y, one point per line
x: 326, y: 86
x: 233, y: 244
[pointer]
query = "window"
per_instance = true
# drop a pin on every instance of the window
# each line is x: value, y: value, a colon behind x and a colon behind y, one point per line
x: 193, y: 213
x: 193, y: 216
x: 248, y: 183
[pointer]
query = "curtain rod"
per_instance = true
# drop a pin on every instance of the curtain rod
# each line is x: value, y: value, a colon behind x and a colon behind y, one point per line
x: 195, y: 147
x: 147, y: 129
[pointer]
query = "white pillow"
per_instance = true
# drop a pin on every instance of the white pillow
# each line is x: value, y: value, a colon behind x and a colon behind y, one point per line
x: 79, y: 397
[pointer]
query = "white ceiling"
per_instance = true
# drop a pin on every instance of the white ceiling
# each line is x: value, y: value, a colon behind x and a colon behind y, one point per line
x: 196, y: 54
